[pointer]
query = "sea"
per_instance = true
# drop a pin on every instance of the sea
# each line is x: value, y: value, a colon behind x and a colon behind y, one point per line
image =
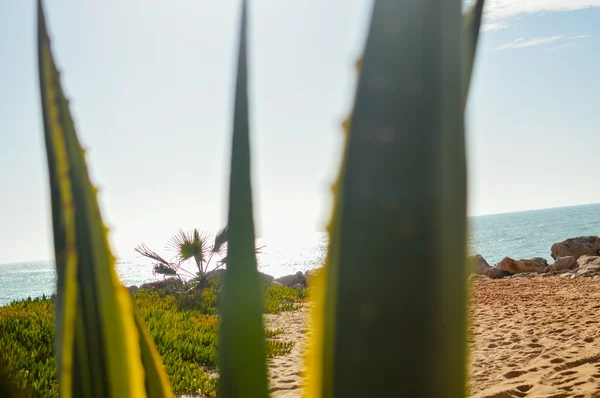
x: 518, y: 235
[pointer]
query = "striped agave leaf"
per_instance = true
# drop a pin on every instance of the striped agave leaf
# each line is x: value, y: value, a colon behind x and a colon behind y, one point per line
x: 470, y: 31
x: 390, y: 310
x: 242, y: 344
x: 102, y: 349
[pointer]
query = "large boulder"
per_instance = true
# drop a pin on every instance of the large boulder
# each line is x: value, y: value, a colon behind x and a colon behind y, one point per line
x: 577, y: 247
x: 478, y: 265
x: 563, y: 263
x: 132, y: 289
x: 536, y: 264
x: 291, y: 280
x: 588, y: 264
x: 215, y: 274
x: 496, y: 273
x: 266, y: 278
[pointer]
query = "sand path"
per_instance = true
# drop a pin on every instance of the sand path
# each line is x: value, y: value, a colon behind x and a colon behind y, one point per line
x: 535, y: 338
x: 528, y: 338
x: 286, y: 372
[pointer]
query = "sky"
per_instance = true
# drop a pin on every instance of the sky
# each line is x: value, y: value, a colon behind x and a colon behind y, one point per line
x: 151, y: 90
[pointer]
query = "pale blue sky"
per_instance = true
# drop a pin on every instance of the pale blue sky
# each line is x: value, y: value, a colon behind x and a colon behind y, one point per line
x: 151, y: 86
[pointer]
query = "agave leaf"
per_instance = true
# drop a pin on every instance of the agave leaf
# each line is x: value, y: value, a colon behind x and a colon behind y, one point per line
x: 391, y: 237
x: 97, y: 340
x: 157, y: 383
x: 242, y: 345
x: 319, y: 359
x: 471, y: 23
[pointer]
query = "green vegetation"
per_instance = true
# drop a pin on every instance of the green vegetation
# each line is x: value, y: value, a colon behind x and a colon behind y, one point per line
x: 186, y: 339
x: 397, y: 328
x: 195, y: 245
x: 192, y: 245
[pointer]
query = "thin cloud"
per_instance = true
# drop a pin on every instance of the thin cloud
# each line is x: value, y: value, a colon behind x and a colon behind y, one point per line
x: 487, y: 27
x: 522, y: 43
x: 564, y: 45
x: 503, y: 9
x: 578, y: 37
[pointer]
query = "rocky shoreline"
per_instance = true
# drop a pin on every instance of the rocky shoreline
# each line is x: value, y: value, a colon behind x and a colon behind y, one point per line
x: 299, y: 280
x: 573, y: 258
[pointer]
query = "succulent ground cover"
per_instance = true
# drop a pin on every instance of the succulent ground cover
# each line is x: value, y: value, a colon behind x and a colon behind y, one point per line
x: 185, y: 328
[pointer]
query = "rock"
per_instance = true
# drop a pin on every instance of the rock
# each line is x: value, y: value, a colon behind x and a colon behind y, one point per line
x: 477, y: 277
x: 496, y: 273
x: 132, y: 289
x: 215, y: 274
x: 266, y: 278
x: 566, y: 275
x: 291, y: 280
x: 576, y: 247
x: 562, y: 263
x: 298, y: 286
x: 478, y: 264
x: 536, y: 264
x: 526, y: 275
x: 541, y: 266
x: 163, y: 284
x: 588, y: 264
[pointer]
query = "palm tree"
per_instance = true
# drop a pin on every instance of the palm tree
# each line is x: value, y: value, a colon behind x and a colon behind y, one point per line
x: 196, y: 245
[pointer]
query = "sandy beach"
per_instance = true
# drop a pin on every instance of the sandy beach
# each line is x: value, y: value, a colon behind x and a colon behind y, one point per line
x: 535, y: 337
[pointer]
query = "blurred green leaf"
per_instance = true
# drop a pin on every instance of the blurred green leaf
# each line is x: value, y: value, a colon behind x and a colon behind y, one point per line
x: 393, y: 318
x: 97, y: 340
x: 470, y: 35
x: 242, y: 356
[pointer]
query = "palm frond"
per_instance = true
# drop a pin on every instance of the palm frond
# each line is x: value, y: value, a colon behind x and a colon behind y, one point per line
x: 190, y: 244
x: 163, y: 269
x: 220, y: 241
x: 148, y: 253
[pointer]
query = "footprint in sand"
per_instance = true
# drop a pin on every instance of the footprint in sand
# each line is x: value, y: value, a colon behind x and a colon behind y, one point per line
x: 524, y: 387
x: 568, y: 373
x: 514, y: 373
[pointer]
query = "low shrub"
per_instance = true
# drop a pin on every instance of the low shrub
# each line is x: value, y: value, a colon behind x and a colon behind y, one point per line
x: 185, y: 328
